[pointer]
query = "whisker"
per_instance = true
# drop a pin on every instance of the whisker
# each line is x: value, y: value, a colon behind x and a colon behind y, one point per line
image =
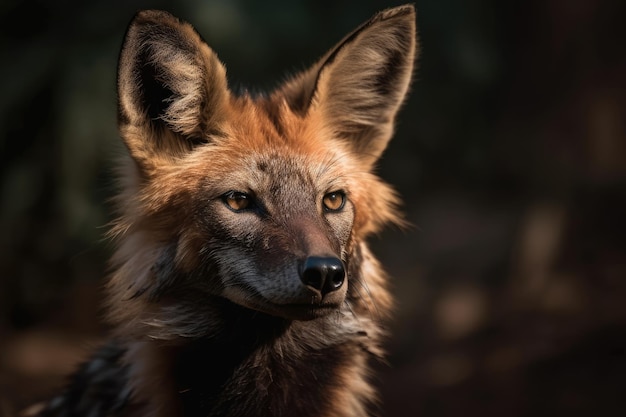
x: 347, y: 303
x: 371, y: 298
x: 360, y: 295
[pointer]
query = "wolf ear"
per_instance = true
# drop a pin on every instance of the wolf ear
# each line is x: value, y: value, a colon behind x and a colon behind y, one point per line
x: 172, y: 88
x: 359, y: 85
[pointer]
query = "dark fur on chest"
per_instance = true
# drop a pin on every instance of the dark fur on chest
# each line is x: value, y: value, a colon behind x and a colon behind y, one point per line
x: 246, y: 374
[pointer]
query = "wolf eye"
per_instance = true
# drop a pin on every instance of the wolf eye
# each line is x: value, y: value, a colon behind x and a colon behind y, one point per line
x: 237, y: 201
x: 334, y: 201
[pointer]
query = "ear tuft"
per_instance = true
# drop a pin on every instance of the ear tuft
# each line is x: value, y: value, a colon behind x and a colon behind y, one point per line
x: 154, y: 96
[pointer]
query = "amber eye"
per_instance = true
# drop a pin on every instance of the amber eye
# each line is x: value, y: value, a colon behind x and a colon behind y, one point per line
x: 237, y: 201
x: 334, y: 201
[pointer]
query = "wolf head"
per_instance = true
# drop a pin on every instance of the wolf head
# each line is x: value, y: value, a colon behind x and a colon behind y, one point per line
x: 261, y: 201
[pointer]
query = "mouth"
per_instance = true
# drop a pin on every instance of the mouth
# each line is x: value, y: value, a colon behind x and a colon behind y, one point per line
x: 293, y: 311
x: 298, y: 308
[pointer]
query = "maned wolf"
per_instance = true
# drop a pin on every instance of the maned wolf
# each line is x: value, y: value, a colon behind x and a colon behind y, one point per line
x: 242, y: 283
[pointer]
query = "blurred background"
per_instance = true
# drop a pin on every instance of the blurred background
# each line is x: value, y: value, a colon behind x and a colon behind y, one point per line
x: 510, y: 155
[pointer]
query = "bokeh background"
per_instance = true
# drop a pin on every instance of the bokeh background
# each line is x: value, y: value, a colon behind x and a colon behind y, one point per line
x: 510, y: 155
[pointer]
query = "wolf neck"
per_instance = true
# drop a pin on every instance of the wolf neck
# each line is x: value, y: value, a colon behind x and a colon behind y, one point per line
x: 210, y: 373
x: 259, y: 365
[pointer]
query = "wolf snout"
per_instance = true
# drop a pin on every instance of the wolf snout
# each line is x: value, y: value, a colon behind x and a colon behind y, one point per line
x: 323, y: 274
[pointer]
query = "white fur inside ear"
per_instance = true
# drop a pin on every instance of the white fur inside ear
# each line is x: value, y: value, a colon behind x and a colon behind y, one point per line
x: 182, y: 74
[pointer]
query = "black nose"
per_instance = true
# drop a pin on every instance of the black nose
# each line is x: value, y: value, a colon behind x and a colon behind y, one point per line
x: 325, y: 274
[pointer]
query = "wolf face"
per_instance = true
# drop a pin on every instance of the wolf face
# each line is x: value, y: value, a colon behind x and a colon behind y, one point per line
x: 259, y: 200
x: 242, y: 282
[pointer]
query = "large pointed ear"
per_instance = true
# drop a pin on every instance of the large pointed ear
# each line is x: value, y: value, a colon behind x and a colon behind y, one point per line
x: 172, y: 88
x: 359, y: 85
